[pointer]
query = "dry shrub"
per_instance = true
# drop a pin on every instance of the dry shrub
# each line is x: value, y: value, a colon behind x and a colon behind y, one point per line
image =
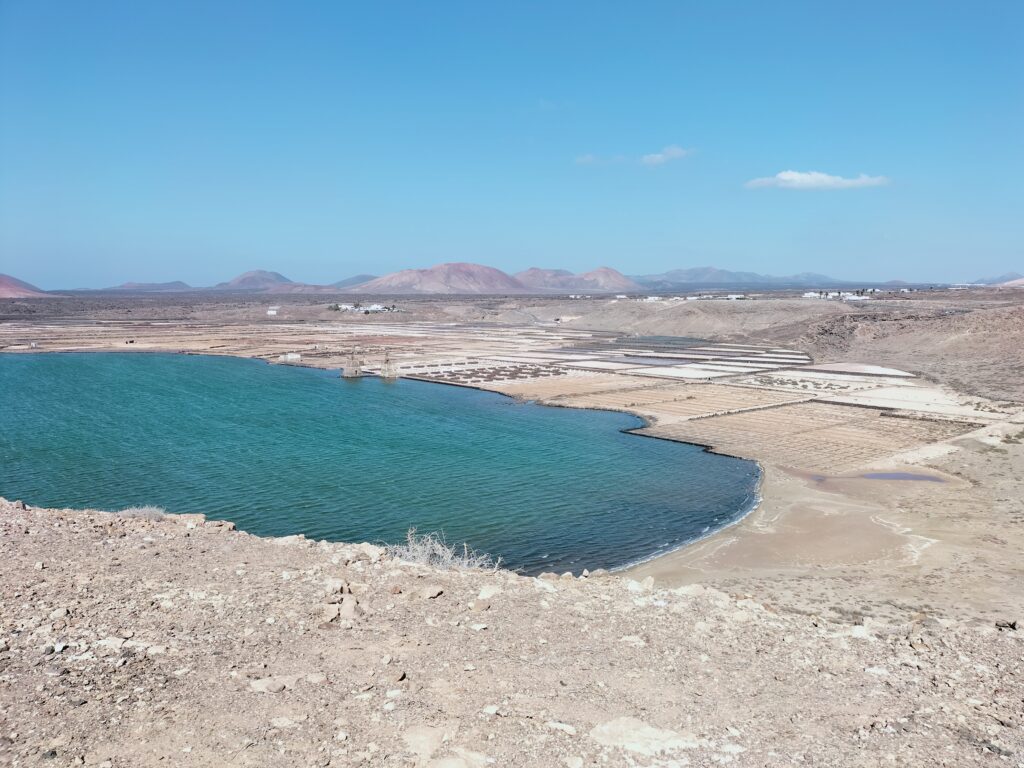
x: 431, y: 549
x: 147, y: 512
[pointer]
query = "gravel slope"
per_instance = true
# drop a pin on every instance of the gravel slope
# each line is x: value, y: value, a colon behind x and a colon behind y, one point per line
x: 176, y: 641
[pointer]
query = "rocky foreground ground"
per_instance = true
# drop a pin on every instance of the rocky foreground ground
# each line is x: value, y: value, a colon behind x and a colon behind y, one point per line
x: 130, y: 641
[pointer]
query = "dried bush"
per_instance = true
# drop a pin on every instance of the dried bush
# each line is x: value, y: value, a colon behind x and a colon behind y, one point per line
x: 431, y: 549
x: 147, y: 512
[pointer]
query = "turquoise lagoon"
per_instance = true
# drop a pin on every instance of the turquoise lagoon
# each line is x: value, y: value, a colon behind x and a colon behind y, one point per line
x: 282, y: 450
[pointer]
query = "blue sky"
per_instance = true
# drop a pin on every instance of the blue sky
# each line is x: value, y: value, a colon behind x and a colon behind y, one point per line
x: 194, y: 140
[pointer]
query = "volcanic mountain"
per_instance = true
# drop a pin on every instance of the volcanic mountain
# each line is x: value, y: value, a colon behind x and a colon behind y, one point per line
x: 256, y: 280
x: 13, y: 288
x: 352, y: 282
x: 712, y: 276
x: 603, y: 279
x: 454, y: 278
x: 171, y: 287
x: 1009, y: 277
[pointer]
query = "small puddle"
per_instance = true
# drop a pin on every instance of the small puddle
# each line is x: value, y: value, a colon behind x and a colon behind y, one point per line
x: 901, y: 476
x: 819, y: 479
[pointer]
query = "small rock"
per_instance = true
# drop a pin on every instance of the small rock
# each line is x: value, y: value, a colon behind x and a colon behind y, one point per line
x: 330, y: 612
x: 372, y: 551
x: 478, y: 606
x: 563, y: 727
x: 337, y: 587
x: 431, y: 592
x: 267, y: 685
x: 637, y: 736
x: 59, y: 613
x: 488, y: 591
x: 423, y: 740
x: 641, y: 586
x: 349, y: 608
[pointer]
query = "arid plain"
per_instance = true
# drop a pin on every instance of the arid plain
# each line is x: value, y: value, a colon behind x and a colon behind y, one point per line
x: 891, y: 438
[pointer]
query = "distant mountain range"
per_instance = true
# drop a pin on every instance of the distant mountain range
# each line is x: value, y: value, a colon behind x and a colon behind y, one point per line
x: 175, y: 286
x: 13, y: 288
x: 455, y: 278
x: 601, y: 280
x: 460, y: 278
x: 476, y: 279
x: 256, y: 280
x: 1009, y: 277
x: 683, y: 279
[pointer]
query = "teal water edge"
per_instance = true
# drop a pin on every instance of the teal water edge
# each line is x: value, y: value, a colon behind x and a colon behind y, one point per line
x: 282, y: 450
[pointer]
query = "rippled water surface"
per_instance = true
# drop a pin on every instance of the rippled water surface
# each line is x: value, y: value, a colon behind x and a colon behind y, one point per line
x: 282, y: 450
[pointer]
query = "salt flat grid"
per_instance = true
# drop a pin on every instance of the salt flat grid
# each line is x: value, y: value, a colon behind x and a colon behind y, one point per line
x: 808, y: 374
x: 859, y: 369
x: 813, y: 436
x: 680, y: 372
x: 606, y: 365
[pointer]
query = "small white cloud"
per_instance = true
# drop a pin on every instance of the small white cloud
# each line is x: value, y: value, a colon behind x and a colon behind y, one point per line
x: 668, y: 154
x: 816, y: 180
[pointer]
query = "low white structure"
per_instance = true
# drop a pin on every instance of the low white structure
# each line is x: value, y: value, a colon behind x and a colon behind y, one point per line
x: 272, y: 311
x: 290, y: 357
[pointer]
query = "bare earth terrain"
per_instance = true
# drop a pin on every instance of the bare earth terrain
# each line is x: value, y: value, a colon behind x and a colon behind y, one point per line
x: 851, y: 619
